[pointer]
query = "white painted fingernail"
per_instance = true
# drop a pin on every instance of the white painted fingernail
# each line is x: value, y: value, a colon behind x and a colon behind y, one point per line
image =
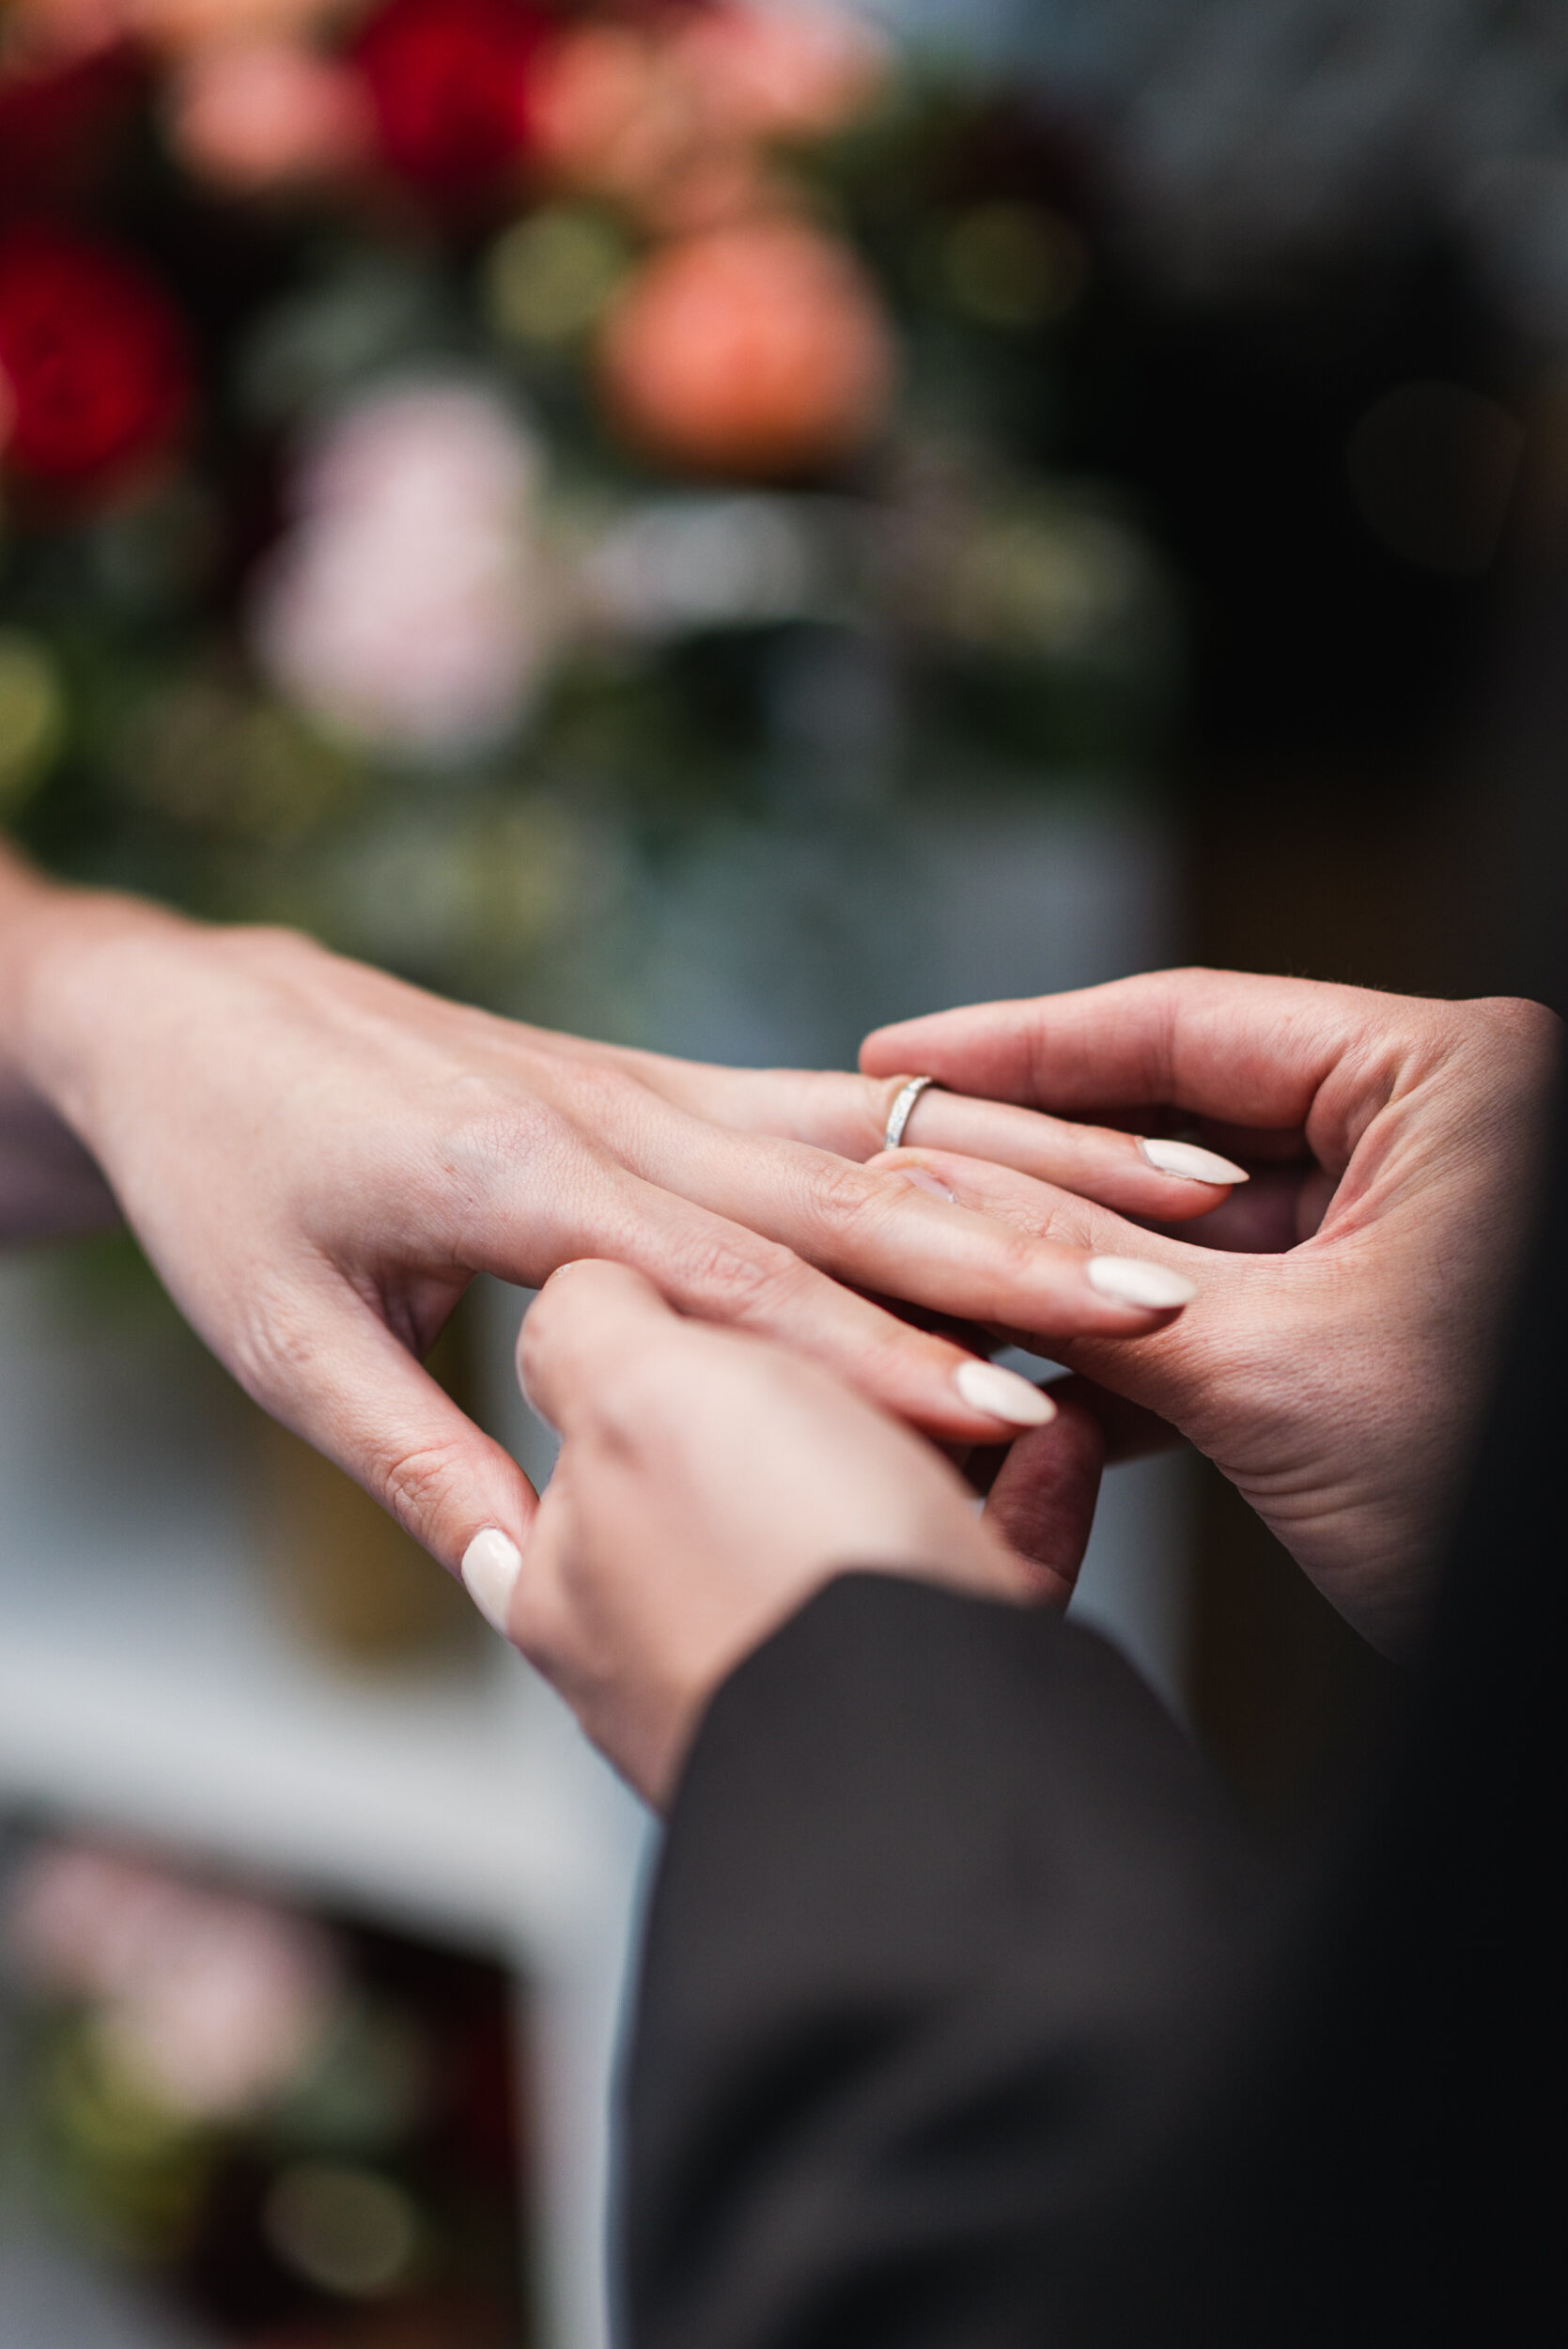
x: 924, y: 1179
x: 490, y: 1567
x: 1186, y: 1158
x: 1002, y: 1394
x: 1134, y: 1281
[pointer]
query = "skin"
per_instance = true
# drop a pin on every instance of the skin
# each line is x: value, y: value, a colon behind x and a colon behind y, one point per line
x: 319, y: 1159
x: 1337, y: 1355
x: 709, y: 1483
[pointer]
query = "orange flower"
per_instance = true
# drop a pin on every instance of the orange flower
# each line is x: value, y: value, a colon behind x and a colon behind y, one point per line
x: 76, y: 28
x: 757, y: 349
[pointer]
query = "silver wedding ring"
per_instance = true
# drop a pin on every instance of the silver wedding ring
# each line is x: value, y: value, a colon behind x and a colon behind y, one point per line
x: 903, y: 1110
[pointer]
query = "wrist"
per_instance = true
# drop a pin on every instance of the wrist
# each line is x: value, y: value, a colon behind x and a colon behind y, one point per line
x: 51, y: 1186
x: 57, y: 995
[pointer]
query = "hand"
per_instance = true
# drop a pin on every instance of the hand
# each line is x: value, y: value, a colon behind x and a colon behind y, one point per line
x: 317, y: 1160
x: 707, y: 1485
x: 1336, y: 1383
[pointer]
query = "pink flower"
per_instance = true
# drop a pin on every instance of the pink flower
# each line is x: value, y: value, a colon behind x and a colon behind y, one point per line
x: 670, y: 119
x: 405, y: 608
x: 229, y: 2012
x: 209, y: 2000
x: 262, y: 114
x: 610, y: 114
x: 782, y: 68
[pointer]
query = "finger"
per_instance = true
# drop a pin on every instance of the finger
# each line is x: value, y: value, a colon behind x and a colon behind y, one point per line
x: 1039, y: 1210
x: 580, y: 1330
x: 775, y: 1210
x: 1249, y: 1051
x: 1042, y: 1501
x: 1168, y: 1181
x: 1151, y: 1372
x: 351, y: 1390
x: 723, y: 1272
x: 895, y: 1230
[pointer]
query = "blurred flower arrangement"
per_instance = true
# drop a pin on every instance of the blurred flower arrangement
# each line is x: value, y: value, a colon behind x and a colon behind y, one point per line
x: 441, y: 441
x: 305, y: 2134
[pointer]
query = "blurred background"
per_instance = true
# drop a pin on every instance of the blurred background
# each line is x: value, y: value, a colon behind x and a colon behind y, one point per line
x: 714, y: 523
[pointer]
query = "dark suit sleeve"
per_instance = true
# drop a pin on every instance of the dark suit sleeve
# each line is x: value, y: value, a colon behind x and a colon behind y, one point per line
x: 945, y: 1898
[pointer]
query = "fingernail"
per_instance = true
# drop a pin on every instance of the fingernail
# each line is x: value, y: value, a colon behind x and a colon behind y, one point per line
x: 490, y: 1567
x: 924, y: 1179
x: 1002, y: 1394
x: 1186, y: 1159
x: 1134, y: 1281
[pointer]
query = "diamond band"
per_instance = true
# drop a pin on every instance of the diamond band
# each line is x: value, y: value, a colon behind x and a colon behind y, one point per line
x: 903, y: 1110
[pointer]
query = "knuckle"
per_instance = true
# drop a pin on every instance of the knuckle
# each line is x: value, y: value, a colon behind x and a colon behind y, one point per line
x: 743, y: 1284
x: 604, y: 1095
x: 1018, y: 1269
x: 1055, y: 1218
x: 490, y: 1133
x: 414, y: 1483
x: 491, y: 1124
x: 844, y: 1198
x: 275, y: 1342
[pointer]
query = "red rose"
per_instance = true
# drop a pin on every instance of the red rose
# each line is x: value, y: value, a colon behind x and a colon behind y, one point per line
x: 93, y: 357
x: 450, y: 84
x: 60, y: 123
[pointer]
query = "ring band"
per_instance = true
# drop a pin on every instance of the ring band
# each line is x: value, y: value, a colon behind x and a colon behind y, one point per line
x: 903, y: 1110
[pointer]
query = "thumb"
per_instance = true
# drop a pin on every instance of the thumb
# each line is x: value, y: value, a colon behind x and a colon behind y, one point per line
x: 362, y: 1399
x: 587, y: 1321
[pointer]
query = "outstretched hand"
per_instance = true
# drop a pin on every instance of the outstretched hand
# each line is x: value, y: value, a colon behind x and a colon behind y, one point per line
x: 319, y: 1159
x: 709, y: 1483
x: 1337, y: 1356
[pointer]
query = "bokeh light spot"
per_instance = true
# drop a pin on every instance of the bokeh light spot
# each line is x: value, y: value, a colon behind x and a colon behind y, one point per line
x: 32, y: 715
x: 346, y: 2230
x: 1013, y: 265
x: 549, y: 277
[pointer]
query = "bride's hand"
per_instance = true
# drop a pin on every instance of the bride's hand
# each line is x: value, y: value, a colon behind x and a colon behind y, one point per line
x: 318, y: 1158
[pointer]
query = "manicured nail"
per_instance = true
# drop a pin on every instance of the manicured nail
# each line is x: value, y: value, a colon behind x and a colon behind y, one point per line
x: 1186, y: 1158
x: 491, y: 1563
x: 1134, y: 1281
x: 924, y: 1179
x: 1002, y: 1394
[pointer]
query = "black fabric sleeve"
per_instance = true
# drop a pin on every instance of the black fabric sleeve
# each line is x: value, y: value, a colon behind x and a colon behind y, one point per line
x: 945, y: 1898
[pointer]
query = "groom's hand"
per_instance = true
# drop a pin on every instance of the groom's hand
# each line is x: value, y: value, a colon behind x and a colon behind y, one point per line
x: 1336, y: 1360
x: 707, y: 1485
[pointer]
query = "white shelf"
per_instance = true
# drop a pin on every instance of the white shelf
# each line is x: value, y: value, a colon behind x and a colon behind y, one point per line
x: 149, y: 1687
x: 147, y: 1681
